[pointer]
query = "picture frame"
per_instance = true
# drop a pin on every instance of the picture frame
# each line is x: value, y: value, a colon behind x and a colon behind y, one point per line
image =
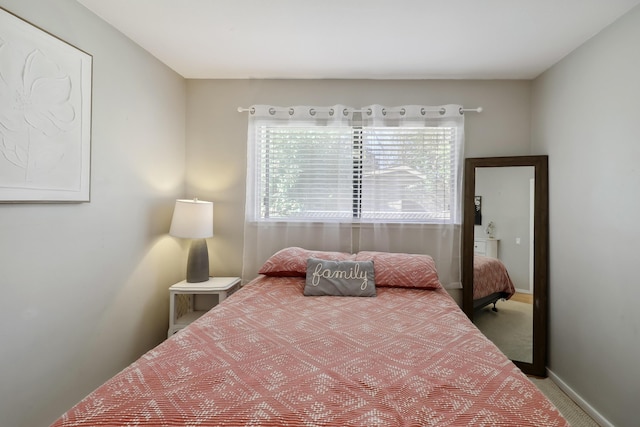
x: 477, y: 201
x: 45, y: 115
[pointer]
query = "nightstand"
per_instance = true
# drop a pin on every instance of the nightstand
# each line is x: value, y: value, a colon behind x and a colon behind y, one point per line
x: 184, y: 307
x: 487, y: 247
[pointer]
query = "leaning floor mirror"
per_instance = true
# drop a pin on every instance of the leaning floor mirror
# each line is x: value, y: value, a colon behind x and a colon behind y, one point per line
x: 505, y: 255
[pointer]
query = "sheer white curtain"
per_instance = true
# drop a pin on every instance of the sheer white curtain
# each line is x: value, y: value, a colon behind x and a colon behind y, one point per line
x: 439, y: 235
x: 342, y: 179
x: 265, y: 232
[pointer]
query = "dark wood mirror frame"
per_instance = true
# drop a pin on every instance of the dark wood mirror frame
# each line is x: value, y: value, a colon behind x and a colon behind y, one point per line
x: 540, y: 249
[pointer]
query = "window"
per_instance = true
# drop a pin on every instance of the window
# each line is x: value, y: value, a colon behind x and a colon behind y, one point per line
x: 317, y: 173
x: 337, y: 178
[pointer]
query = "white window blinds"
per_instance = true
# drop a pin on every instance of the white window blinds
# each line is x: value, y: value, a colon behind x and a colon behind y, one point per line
x: 408, y: 174
x: 304, y: 173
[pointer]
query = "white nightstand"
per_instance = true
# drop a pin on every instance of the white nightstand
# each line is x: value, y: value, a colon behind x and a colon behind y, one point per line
x: 487, y: 247
x: 183, y: 307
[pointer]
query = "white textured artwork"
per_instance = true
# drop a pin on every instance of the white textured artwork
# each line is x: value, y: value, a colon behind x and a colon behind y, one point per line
x: 45, y: 116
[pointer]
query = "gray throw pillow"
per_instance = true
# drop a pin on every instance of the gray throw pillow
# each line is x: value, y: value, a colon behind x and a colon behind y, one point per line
x: 340, y: 278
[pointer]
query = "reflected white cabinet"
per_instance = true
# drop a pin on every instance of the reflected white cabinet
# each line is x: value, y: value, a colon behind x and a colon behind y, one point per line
x: 486, y: 247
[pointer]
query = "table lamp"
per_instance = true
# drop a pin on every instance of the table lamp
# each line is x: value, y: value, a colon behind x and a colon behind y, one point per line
x: 193, y: 219
x: 491, y: 228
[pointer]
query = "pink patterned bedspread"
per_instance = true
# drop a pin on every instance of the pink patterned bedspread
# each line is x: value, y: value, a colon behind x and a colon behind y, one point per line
x: 269, y: 356
x: 490, y: 276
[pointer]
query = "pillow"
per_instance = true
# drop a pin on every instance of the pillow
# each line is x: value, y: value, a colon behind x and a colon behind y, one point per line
x: 340, y: 278
x: 403, y: 270
x: 292, y: 262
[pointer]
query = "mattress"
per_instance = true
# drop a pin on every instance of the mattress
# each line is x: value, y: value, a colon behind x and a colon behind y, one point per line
x: 270, y: 356
x: 490, y: 276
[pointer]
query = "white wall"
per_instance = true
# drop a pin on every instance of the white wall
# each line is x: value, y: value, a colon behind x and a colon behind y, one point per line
x: 586, y: 116
x: 216, y: 132
x: 84, y: 287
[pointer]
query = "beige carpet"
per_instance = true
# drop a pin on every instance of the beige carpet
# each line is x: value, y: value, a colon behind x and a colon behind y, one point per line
x: 567, y: 407
x: 510, y: 328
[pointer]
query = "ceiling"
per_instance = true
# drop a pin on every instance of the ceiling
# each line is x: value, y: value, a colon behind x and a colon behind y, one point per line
x: 364, y: 39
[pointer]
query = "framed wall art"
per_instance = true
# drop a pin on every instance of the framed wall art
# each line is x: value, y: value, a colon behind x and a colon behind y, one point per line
x: 477, y: 219
x: 45, y: 116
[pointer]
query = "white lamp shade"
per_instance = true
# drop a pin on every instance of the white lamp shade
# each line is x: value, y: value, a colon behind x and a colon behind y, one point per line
x: 192, y: 219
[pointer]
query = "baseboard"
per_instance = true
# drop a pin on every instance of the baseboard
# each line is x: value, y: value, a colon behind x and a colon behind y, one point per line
x: 583, y: 404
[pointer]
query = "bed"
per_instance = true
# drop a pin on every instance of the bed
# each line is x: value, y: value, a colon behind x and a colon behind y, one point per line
x: 491, y: 282
x: 271, y: 356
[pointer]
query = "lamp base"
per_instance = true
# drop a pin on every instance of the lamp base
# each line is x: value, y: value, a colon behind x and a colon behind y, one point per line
x: 198, y: 262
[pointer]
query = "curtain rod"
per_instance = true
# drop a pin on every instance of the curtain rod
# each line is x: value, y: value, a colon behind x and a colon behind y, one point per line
x: 462, y: 110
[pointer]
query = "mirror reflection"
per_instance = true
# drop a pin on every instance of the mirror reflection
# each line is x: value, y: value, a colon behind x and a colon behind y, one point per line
x: 503, y: 258
x: 506, y: 224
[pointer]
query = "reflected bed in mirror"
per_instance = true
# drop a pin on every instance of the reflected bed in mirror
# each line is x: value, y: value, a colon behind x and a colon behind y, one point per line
x: 505, y: 255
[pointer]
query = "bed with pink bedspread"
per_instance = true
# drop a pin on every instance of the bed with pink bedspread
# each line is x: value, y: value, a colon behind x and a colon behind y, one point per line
x: 271, y: 356
x: 491, y: 282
